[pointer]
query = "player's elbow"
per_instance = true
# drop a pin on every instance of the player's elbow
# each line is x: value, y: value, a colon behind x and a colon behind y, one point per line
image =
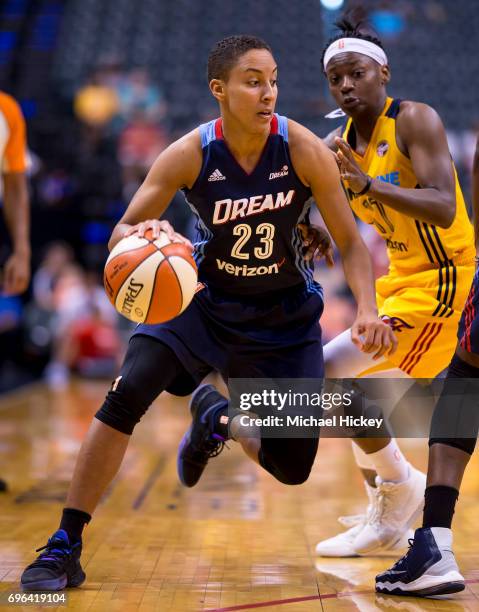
x: 448, y: 213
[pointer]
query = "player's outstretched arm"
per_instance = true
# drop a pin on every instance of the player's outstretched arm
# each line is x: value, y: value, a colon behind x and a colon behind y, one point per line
x: 316, y: 167
x: 176, y: 167
x: 16, y: 209
x: 421, y: 136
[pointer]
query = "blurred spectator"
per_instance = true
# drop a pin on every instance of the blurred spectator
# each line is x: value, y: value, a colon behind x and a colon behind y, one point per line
x: 96, y: 103
x: 139, y: 145
x: 138, y: 96
x: 84, y: 328
x: 58, y: 256
x: 90, y: 346
x: 434, y: 11
x: 389, y: 19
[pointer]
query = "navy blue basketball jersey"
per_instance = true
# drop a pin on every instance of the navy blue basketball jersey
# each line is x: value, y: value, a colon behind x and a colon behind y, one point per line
x: 247, y: 241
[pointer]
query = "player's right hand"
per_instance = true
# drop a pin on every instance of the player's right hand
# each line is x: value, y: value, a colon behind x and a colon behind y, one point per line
x: 317, y: 243
x: 371, y: 335
x: 158, y: 226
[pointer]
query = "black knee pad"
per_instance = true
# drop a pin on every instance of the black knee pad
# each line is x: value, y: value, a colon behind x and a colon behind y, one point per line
x: 149, y: 368
x: 124, y: 406
x: 461, y: 369
x: 362, y: 407
x: 455, y: 421
x: 465, y: 444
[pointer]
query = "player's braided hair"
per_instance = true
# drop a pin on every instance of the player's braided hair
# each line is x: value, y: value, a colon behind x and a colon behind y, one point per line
x: 353, y: 24
x: 225, y: 53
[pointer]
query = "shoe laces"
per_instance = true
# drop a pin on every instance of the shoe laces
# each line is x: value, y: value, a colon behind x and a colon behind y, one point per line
x: 211, y: 446
x: 352, y: 520
x: 378, y: 507
x: 405, y: 557
x: 55, y: 552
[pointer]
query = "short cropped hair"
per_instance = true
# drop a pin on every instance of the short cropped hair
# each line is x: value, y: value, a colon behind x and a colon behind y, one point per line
x: 225, y: 53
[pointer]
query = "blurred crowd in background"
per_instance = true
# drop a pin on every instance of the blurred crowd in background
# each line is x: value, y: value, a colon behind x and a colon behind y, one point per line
x: 106, y: 85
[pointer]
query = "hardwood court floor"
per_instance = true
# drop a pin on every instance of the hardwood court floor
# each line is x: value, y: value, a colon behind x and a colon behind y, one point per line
x: 237, y: 541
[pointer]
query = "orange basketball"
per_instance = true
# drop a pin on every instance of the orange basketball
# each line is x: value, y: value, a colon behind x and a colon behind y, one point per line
x: 150, y: 281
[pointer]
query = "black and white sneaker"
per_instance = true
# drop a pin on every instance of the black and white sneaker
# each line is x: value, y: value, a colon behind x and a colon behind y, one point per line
x: 428, y: 568
x: 200, y: 443
x: 57, y: 567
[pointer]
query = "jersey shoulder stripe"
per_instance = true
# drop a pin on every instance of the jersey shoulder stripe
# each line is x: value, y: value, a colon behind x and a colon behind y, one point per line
x: 207, y: 133
x: 213, y: 130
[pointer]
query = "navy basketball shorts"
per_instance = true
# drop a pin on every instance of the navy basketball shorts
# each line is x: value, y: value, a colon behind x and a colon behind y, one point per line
x: 468, y: 331
x: 276, y: 336
x: 268, y: 336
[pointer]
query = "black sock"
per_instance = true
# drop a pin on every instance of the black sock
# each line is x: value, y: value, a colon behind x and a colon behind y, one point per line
x: 73, y: 521
x: 440, y: 502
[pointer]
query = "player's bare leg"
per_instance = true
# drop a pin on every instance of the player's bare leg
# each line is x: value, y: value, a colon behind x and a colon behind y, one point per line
x: 394, y: 488
x: 101, y: 454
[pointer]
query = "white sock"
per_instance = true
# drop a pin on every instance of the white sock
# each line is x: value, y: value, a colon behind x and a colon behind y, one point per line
x: 362, y: 459
x: 443, y: 536
x: 390, y: 463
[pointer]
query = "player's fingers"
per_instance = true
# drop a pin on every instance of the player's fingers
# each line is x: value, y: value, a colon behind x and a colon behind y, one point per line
x: 347, y: 176
x: 155, y: 226
x: 329, y: 255
x: 383, y: 348
x: 356, y: 338
x: 165, y: 226
x: 343, y: 147
x: 303, y: 228
x: 9, y: 280
x: 372, y: 340
x: 394, y: 342
x: 389, y: 342
x: 141, y: 230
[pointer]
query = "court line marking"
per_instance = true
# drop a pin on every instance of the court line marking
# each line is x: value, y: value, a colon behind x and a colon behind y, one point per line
x: 152, y: 478
x: 282, y: 602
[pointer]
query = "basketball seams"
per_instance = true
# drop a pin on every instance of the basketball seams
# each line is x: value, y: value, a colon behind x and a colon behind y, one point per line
x: 172, y: 267
x: 152, y: 293
x: 130, y: 264
x: 127, y: 279
x: 123, y: 253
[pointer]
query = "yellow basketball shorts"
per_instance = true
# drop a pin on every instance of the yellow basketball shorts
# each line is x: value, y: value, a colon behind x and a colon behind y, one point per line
x: 424, y: 310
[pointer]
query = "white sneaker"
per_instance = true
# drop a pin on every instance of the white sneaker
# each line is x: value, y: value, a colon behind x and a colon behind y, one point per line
x: 395, y: 508
x: 342, y: 545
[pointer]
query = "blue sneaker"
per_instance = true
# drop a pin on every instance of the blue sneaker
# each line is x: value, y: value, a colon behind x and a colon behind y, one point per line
x: 200, y: 443
x: 428, y: 568
x: 55, y: 568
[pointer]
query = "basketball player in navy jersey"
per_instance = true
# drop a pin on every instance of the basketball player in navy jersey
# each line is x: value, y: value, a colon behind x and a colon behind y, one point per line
x: 248, y: 178
x: 430, y: 568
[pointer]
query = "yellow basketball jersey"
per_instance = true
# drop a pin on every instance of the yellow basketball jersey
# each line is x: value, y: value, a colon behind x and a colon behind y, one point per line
x: 412, y: 245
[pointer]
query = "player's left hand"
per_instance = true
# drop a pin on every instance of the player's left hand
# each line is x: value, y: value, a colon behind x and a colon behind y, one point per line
x: 16, y: 274
x: 349, y: 170
x: 371, y: 335
x: 317, y: 243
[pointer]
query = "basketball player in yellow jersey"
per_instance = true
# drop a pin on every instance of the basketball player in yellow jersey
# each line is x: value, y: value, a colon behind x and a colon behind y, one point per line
x: 396, y: 167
